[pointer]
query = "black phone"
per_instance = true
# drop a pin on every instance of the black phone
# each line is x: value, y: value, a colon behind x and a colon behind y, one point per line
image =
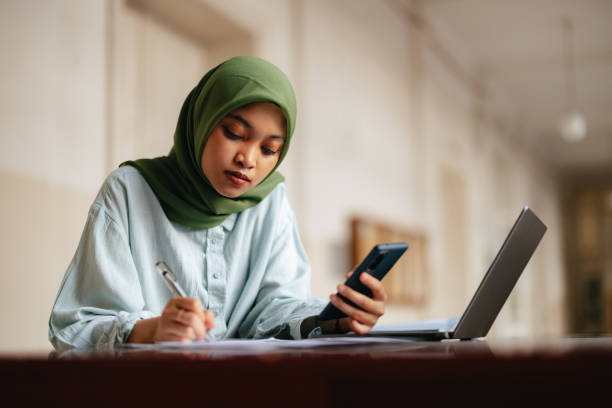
x: 378, y: 262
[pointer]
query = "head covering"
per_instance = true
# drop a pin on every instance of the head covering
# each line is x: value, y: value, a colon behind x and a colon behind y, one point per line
x: 185, y: 194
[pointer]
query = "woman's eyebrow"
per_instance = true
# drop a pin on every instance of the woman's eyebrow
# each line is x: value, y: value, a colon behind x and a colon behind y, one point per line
x: 239, y: 118
x: 248, y: 125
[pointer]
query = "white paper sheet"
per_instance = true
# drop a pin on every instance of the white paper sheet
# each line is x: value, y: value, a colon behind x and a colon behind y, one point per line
x: 272, y: 343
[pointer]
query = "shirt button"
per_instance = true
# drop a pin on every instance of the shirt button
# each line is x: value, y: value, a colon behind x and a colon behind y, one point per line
x: 216, y: 276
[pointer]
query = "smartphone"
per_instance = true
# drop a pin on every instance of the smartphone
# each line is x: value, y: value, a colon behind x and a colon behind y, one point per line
x: 378, y: 262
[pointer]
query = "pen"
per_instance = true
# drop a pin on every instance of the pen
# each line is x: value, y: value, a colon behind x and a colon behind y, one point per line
x: 170, y: 279
x: 173, y: 285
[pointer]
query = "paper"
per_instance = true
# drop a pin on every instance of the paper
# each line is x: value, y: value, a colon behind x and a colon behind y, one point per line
x: 272, y: 343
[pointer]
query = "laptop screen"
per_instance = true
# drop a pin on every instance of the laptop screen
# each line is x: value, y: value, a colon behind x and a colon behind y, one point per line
x: 501, y: 277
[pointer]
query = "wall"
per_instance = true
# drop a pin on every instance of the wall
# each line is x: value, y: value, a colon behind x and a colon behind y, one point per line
x: 52, y: 158
x: 384, y: 128
x: 391, y: 131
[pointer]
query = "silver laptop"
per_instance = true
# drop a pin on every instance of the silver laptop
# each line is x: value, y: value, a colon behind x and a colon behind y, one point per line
x: 490, y: 296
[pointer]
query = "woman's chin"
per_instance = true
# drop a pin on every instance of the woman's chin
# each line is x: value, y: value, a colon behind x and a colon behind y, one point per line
x: 231, y: 192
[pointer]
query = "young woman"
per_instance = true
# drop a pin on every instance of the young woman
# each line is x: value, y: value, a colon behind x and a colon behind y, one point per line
x: 216, y: 212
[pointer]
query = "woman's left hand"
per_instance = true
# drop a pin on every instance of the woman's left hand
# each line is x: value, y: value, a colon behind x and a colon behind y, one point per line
x: 360, y: 319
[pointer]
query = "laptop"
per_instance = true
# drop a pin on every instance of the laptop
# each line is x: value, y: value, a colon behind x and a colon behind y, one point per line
x: 498, y: 282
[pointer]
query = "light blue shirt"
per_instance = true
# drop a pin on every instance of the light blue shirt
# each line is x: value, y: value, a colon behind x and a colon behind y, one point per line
x: 251, y: 270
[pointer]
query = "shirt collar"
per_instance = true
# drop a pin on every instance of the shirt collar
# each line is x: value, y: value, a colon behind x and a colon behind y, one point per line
x: 229, y: 222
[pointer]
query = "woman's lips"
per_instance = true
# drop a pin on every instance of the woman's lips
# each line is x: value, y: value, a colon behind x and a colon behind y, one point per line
x: 237, y: 178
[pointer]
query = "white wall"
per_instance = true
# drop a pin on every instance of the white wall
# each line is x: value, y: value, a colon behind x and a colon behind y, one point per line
x: 52, y: 127
x: 51, y: 72
x: 378, y: 137
x: 382, y: 123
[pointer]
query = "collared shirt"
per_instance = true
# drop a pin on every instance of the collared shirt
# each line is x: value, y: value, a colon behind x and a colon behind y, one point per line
x: 251, y: 270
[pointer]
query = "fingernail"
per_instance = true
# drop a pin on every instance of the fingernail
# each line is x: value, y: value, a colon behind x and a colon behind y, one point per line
x: 340, y: 288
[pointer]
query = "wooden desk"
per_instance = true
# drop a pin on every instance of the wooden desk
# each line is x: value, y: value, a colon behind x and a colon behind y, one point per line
x: 571, y: 371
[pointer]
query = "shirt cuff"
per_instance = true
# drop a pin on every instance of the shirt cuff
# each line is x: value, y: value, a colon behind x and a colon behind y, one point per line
x: 126, y: 322
x: 308, y: 325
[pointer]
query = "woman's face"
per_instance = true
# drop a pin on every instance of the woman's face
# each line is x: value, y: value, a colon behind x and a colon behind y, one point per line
x: 243, y: 148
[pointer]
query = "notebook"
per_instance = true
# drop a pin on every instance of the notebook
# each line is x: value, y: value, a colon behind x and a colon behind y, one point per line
x: 494, y: 289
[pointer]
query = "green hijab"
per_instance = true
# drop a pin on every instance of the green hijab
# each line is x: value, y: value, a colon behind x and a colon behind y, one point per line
x: 177, y: 180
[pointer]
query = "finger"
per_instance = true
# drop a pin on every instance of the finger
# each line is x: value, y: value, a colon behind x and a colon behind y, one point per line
x: 376, y: 286
x: 209, y: 319
x: 178, y: 316
x: 353, y: 312
x: 188, y: 303
x: 358, y: 327
x: 349, y: 273
x: 169, y: 337
x: 176, y: 338
x: 364, y: 302
x: 193, y: 320
x: 170, y: 312
x: 172, y: 336
x: 177, y: 330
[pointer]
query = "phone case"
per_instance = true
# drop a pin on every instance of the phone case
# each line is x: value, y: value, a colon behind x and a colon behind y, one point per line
x: 378, y: 262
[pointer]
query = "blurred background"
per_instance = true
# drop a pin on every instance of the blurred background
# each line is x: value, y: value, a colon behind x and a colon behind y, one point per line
x: 435, y: 120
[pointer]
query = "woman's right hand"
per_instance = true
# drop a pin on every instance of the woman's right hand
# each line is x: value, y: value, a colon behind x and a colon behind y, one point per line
x: 183, y: 319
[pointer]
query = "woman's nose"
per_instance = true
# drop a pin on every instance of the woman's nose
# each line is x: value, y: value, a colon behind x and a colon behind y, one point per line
x: 246, y: 157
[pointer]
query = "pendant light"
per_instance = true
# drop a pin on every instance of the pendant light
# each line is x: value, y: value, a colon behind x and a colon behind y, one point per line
x: 572, y: 126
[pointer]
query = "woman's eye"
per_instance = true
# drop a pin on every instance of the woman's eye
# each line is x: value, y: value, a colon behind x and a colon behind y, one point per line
x: 230, y: 134
x: 268, y: 152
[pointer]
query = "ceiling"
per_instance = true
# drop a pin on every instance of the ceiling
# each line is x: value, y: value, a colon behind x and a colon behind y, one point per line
x: 515, y: 50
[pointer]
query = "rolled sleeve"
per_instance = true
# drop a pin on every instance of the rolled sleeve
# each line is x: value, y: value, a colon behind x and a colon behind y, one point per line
x: 100, y: 299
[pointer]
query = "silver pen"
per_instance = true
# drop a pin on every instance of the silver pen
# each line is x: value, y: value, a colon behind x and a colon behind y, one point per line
x: 173, y: 285
x: 170, y: 279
